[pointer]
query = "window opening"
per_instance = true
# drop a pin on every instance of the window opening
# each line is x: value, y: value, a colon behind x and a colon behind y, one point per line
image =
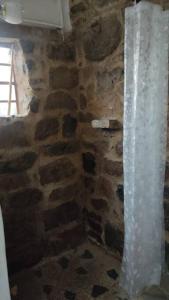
x: 9, y: 104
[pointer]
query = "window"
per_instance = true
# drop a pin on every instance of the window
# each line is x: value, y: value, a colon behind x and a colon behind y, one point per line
x: 9, y: 104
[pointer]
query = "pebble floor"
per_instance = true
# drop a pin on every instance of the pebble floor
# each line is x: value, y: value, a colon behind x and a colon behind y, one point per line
x: 83, y: 274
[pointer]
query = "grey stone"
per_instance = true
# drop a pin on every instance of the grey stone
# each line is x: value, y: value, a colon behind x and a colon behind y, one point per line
x: 27, y: 46
x: 100, y: 41
x: 34, y: 105
x: 69, y: 126
x: 61, y: 215
x: 60, y: 148
x: 46, y: 127
x: 98, y: 290
x: 63, y: 78
x: 64, y: 51
x: 63, y: 262
x: 65, y: 193
x: 14, y: 135
x: 25, y: 198
x: 114, y: 238
x: 89, y: 163
x: 18, y: 163
x: 56, y: 171
x: 60, y: 100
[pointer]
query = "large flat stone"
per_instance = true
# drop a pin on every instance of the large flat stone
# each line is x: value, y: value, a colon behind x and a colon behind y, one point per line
x: 89, y: 163
x: 10, y: 182
x: 25, y: 198
x: 57, y: 171
x: 100, y: 41
x: 13, y: 135
x: 18, y: 163
x: 60, y: 100
x: 46, y: 127
x: 60, y: 148
x: 63, y: 78
x: 69, y: 126
x: 65, y: 193
x: 61, y: 215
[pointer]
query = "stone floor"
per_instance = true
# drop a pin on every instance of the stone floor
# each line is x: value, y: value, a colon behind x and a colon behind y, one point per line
x: 85, y: 274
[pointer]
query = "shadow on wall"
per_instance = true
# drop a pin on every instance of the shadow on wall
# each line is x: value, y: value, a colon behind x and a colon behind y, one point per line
x: 40, y: 167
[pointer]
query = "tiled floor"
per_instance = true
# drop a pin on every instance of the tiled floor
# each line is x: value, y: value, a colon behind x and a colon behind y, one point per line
x: 85, y: 274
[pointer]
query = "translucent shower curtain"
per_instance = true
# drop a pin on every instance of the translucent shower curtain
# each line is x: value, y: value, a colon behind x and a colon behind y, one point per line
x: 4, y: 284
x: 145, y: 124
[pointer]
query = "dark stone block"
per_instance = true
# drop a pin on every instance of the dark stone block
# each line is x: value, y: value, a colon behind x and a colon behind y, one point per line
x: 87, y: 255
x: 10, y: 182
x: 112, y: 274
x: 65, y: 240
x: 38, y: 273
x: 78, y: 8
x: 27, y: 46
x: 60, y: 148
x: 95, y: 226
x: 167, y: 254
x: 63, y: 262
x: 85, y: 117
x: 119, y: 148
x: 120, y: 192
x: 46, y: 128
x: 90, y: 184
x: 114, y: 125
x: 60, y: 100
x: 113, y: 168
x: 18, y: 164
x: 98, y: 290
x: 23, y: 236
x: 95, y: 236
x: 81, y: 271
x: 105, y: 188
x: 66, y: 193
x: 56, y: 171
x: 83, y: 102
x: 30, y: 64
x: 166, y: 215
x: 64, y: 51
x: 167, y: 171
x: 89, y: 163
x: 25, y: 198
x: 47, y: 289
x: 61, y: 215
x: 13, y: 135
x: 102, y: 3
x: 100, y: 41
x: 99, y: 204
x: 114, y: 238
x: 63, y: 78
x: 73, y: 237
x: 34, y: 105
x: 166, y: 192
x: 106, y: 80
x: 93, y: 216
x: 70, y: 295
x: 69, y: 126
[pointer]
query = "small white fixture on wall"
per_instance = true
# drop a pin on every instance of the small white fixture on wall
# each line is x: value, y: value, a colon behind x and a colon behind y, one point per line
x: 41, y: 13
x: 12, y: 11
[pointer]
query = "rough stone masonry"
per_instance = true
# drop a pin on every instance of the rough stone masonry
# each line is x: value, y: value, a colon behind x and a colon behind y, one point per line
x: 61, y: 179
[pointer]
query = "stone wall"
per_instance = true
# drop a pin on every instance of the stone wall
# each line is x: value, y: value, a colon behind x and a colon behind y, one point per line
x: 40, y: 163
x: 56, y: 171
x: 99, y: 26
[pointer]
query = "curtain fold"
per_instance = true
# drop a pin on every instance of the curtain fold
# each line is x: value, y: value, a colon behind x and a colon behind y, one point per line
x: 4, y: 283
x: 145, y: 127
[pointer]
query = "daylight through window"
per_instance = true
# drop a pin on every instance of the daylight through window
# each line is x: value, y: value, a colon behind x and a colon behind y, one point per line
x: 8, y: 92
